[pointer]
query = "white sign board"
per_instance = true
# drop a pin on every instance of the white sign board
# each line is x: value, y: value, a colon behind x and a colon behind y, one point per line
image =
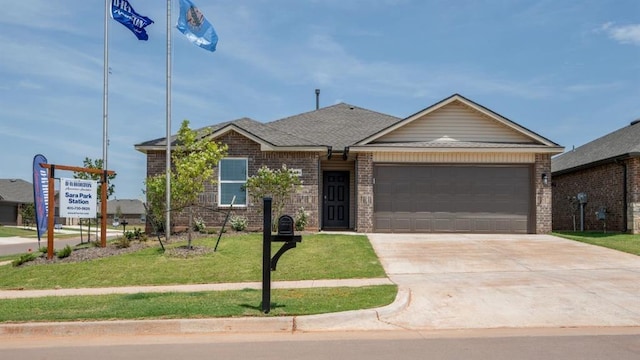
x: 78, y: 198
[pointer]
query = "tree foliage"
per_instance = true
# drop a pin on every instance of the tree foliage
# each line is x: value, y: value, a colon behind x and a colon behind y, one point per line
x: 28, y: 213
x: 278, y: 184
x: 96, y: 164
x: 193, y: 160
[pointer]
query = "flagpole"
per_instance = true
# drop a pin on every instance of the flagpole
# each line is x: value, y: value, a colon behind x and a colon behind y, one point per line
x: 168, y: 114
x: 105, y: 90
x: 105, y: 117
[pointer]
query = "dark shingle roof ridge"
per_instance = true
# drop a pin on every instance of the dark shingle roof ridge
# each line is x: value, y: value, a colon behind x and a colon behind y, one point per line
x: 213, y: 127
x: 272, y: 135
x: 338, y: 105
x: 623, y: 141
x: 339, y: 125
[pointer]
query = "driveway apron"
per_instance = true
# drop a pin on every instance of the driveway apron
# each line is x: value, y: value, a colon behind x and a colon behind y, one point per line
x: 463, y: 281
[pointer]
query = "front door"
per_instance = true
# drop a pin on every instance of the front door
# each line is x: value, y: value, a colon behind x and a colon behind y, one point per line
x: 335, y: 195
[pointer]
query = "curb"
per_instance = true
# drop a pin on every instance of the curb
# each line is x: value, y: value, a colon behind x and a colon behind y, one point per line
x: 348, y: 320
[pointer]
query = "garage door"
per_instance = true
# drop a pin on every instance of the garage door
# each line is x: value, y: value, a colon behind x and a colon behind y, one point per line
x: 8, y: 214
x: 474, y: 199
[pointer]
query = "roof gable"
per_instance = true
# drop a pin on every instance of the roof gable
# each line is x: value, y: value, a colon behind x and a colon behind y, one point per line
x: 457, y: 119
x: 620, y: 143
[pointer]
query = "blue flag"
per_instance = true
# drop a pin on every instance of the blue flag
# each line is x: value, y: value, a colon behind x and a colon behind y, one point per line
x: 122, y: 12
x: 196, y: 27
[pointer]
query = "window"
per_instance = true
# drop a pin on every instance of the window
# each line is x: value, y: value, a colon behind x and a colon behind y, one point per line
x: 232, y: 179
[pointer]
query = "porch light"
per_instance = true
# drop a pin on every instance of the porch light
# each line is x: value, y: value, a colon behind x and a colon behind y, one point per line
x: 545, y: 179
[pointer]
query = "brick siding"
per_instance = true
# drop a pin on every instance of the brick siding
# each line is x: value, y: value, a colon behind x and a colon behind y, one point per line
x: 604, y: 186
x: 242, y: 147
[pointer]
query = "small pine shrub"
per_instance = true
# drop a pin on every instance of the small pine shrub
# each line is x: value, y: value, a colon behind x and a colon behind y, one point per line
x: 124, y: 241
x: 65, y: 252
x: 24, y: 258
x: 238, y: 223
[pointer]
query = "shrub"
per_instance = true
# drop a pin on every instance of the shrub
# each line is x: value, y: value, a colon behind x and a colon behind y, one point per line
x: 238, y: 223
x: 124, y: 241
x: 301, y: 219
x: 24, y: 258
x: 65, y: 252
x: 199, y: 225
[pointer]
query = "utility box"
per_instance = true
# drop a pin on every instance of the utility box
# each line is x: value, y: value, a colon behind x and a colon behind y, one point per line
x: 582, y: 198
x: 601, y: 214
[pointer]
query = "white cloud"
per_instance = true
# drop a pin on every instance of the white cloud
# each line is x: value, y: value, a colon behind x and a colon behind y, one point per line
x: 625, y: 34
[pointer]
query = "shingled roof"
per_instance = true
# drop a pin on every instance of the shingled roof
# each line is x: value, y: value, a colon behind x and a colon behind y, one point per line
x: 337, y: 126
x: 16, y: 191
x: 620, y: 143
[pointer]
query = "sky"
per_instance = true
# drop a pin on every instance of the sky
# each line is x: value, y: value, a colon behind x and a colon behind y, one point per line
x: 567, y: 70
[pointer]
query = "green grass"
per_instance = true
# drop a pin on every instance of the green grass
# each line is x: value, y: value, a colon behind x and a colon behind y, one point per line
x: 284, y: 302
x: 238, y: 259
x: 7, y: 231
x: 623, y: 242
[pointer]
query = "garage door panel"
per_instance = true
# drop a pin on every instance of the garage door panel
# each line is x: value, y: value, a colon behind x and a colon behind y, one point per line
x: 452, y: 199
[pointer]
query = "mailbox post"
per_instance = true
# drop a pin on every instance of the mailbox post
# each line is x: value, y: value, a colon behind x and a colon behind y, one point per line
x: 285, y: 234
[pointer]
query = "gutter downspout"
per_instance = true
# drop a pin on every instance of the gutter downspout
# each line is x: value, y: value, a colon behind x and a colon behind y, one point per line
x: 625, y: 197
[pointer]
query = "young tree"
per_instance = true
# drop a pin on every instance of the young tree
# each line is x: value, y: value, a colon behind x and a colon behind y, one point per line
x: 28, y: 213
x: 278, y: 184
x: 193, y: 158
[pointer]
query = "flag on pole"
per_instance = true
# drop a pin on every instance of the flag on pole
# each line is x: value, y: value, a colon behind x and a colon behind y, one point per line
x: 122, y: 12
x: 195, y: 26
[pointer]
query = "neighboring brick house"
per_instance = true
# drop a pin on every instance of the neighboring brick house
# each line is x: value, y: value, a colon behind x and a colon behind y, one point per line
x: 455, y: 166
x: 14, y: 193
x: 131, y: 210
x: 607, y: 170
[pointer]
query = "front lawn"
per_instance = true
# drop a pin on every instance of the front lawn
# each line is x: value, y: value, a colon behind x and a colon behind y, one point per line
x: 622, y: 242
x: 207, y: 304
x: 238, y: 259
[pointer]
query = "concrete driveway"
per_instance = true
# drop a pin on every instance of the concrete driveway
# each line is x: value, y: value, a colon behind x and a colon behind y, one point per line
x: 460, y: 281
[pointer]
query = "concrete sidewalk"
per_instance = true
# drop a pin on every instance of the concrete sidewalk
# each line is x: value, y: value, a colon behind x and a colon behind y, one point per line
x: 305, y: 284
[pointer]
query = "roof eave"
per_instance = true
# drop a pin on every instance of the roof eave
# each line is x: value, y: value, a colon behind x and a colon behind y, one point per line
x: 612, y: 159
x: 537, y: 150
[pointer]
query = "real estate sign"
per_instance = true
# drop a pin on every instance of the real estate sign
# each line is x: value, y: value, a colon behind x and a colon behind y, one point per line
x: 78, y: 198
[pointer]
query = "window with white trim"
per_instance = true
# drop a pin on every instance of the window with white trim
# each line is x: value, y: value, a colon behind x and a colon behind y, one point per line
x: 232, y: 180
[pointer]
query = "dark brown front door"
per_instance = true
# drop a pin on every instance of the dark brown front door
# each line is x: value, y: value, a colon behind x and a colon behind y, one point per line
x: 335, y: 195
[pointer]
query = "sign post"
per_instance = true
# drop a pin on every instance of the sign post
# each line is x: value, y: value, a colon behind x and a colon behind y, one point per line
x: 103, y: 198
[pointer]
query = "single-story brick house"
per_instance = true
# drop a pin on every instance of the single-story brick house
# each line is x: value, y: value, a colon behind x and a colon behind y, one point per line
x: 607, y: 170
x: 131, y: 210
x: 454, y: 166
x: 14, y: 193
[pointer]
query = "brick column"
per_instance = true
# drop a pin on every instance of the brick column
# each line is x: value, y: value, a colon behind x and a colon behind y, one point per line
x: 543, y: 194
x: 633, y: 195
x: 364, y: 173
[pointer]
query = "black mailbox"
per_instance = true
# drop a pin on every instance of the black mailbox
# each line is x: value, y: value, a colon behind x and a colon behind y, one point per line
x: 286, y: 233
x: 285, y: 225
